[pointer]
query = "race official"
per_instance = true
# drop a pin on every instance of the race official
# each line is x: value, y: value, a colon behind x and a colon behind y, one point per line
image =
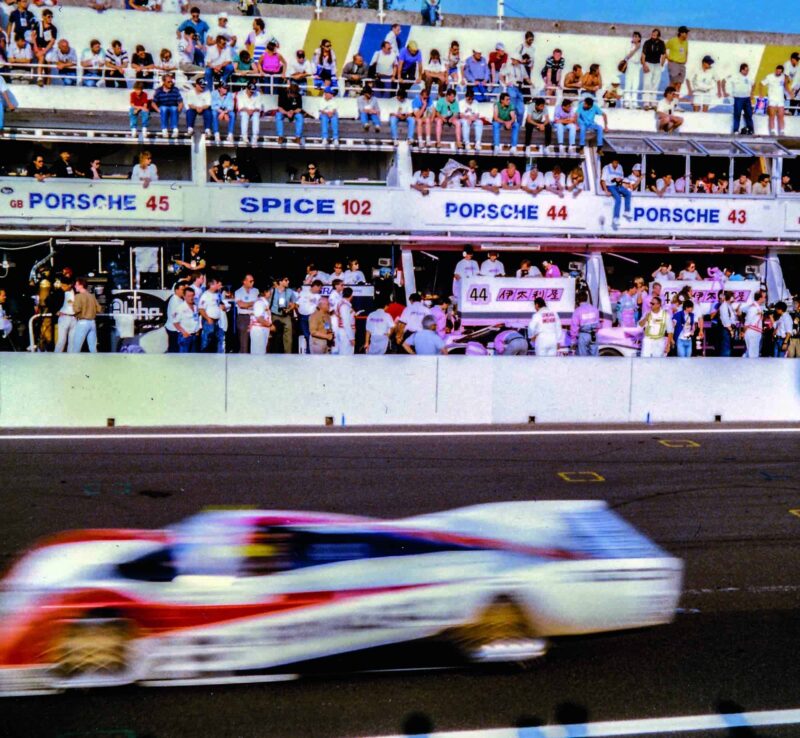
x: 245, y: 298
x: 282, y: 306
x: 510, y: 343
x: 584, y: 326
x: 425, y: 342
x: 754, y: 325
x: 260, y: 323
x: 379, y: 327
x: 657, y: 324
x: 544, y: 330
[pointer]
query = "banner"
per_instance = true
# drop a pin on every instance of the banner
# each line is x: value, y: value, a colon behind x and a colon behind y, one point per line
x: 706, y: 292
x: 80, y: 199
x: 490, y: 300
x: 308, y: 206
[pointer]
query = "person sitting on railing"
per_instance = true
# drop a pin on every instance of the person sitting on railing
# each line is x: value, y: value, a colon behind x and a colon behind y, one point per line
x: 476, y: 75
x: 422, y: 109
x: 471, y: 118
x: 572, y: 82
x: 6, y: 102
x: 592, y: 81
x: 143, y: 66
x: 329, y: 116
x: 139, y: 111
x: 497, y: 60
x: 666, y: 119
x: 165, y: 63
x: 93, y: 61
x: 116, y: 64
x: 446, y: 112
x: 512, y: 78
x: 453, y: 64
x: 222, y: 106
x: 198, y: 103
x: 20, y: 57
x: 300, y: 70
x: 706, y: 86
x: 65, y: 61
x: 44, y: 40
x: 382, y: 69
x: 189, y: 53
x: 272, y: 68
x: 434, y: 71
x: 551, y: 74
x: 537, y: 117
x: 290, y: 105
x: 325, y: 62
x: 504, y: 117
x: 566, y: 119
x: 587, y: 121
x: 22, y: 22
x: 402, y: 113
x: 244, y: 69
x: 369, y: 110
x: 168, y: 103
x: 248, y: 105
x: 612, y: 96
x: 353, y: 74
x: 219, y: 62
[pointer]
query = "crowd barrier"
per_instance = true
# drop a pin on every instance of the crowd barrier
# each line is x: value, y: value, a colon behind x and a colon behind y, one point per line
x: 49, y: 391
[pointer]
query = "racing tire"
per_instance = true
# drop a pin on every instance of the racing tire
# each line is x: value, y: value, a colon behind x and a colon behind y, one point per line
x: 93, y: 648
x: 501, y: 633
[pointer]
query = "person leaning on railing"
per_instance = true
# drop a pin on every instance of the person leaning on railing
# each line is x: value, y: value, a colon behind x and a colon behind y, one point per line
x: 353, y: 74
x: 93, y: 61
x: 20, y: 58
x: 44, y: 40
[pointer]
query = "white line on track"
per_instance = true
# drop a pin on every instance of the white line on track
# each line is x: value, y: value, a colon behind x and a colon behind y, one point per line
x: 206, y: 681
x: 646, y: 726
x: 448, y: 433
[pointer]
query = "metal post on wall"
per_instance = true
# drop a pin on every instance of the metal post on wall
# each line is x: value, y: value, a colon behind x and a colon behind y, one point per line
x: 501, y: 11
x: 318, y: 8
x: 381, y: 12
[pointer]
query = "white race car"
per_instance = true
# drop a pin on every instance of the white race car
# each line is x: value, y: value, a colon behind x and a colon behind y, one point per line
x: 227, y: 595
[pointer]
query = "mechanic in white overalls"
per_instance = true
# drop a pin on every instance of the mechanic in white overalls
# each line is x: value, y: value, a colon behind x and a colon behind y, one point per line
x: 261, y: 322
x: 344, y: 322
x: 544, y: 330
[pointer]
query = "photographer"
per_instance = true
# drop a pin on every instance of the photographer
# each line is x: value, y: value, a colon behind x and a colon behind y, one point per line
x: 283, y: 307
x: 612, y: 181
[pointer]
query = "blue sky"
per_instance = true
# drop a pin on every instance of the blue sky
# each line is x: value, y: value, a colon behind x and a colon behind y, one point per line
x: 732, y: 16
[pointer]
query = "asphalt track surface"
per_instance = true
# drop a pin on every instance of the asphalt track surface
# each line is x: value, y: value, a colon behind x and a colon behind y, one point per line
x: 723, y: 503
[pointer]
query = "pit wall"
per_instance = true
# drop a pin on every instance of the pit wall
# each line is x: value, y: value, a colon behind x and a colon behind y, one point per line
x: 50, y: 391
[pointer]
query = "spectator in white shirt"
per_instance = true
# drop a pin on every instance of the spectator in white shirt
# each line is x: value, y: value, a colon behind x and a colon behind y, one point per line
x: 777, y: 86
x: 329, y: 116
x: 198, y: 103
x: 379, y: 327
x: 743, y: 185
x: 783, y: 327
x: 93, y: 60
x: 690, y: 273
x: 666, y: 119
x: 532, y: 180
x: 493, y: 267
x: 423, y: 179
x: 145, y: 171
x: 392, y: 37
x: 465, y: 269
x: 665, y: 185
x: 402, y: 113
x: 555, y: 181
x: 353, y: 275
x: 528, y: 269
x: 306, y: 307
x: 762, y: 185
x: 492, y: 181
x: 410, y: 320
x: 248, y: 105
x: 384, y: 61
x: 219, y: 62
x: 706, y: 87
x: 20, y: 58
x: 65, y: 60
x: 741, y: 90
x: 664, y: 273
x: 300, y: 69
x: 470, y: 119
x: 223, y: 29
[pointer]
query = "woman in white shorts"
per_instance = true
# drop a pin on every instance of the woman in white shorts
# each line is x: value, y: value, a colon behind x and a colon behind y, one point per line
x: 776, y: 85
x: 260, y: 323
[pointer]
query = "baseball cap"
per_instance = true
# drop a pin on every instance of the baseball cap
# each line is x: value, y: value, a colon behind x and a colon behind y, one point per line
x: 412, y: 46
x: 708, y: 59
x: 329, y: 90
x: 223, y: 15
x: 251, y: 85
x: 200, y: 82
x: 499, y: 47
x: 222, y: 83
x: 637, y: 167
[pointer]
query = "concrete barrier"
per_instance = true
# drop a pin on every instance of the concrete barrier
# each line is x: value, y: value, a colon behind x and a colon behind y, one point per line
x: 48, y: 390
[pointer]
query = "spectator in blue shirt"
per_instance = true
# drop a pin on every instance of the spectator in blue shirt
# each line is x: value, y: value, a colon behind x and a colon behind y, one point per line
x: 426, y: 342
x: 476, y: 75
x: 587, y: 113
x: 168, y: 103
x: 200, y: 27
x: 408, y: 67
x: 222, y: 105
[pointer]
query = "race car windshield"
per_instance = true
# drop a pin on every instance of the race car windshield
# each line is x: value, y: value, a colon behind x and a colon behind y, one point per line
x: 157, y: 566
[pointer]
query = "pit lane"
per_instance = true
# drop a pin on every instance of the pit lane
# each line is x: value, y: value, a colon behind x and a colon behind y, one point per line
x: 723, y: 503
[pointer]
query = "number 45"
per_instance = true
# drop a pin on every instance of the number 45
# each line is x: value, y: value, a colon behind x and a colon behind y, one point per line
x: 157, y: 203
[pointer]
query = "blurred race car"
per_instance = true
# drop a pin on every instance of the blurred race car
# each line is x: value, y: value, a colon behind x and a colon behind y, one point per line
x: 226, y: 595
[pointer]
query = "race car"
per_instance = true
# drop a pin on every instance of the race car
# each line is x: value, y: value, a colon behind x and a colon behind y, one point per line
x: 227, y: 595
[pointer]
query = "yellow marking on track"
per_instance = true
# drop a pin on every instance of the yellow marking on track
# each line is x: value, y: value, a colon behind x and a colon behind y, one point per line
x: 581, y: 476
x: 679, y: 443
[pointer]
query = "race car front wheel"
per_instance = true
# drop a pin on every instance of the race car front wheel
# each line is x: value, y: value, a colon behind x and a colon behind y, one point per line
x: 501, y: 633
x: 93, y: 648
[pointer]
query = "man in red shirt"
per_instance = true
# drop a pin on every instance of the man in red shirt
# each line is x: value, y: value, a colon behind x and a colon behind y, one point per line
x: 496, y: 61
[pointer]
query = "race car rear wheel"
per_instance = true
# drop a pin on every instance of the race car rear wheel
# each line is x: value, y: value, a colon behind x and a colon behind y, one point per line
x: 502, y: 632
x: 91, y: 647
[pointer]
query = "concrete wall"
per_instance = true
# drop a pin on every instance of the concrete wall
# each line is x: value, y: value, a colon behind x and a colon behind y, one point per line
x: 47, y: 390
